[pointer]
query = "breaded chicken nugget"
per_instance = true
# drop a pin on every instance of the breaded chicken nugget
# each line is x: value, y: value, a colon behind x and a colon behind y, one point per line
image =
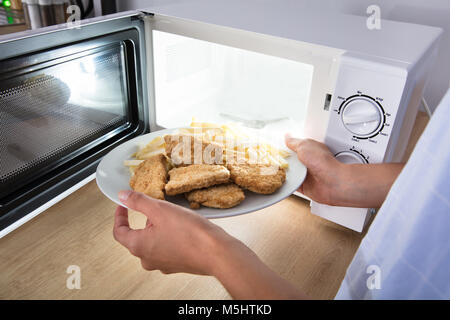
x: 150, y: 177
x: 220, y: 196
x: 259, y: 178
x: 196, y: 176
x: 186, y: 150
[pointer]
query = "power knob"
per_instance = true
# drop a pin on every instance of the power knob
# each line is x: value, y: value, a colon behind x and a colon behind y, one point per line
x: 362, y: 116
x: 350, y: 157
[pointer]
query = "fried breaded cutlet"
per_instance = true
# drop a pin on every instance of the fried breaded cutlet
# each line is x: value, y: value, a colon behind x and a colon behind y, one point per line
x: 196, y: 176
x: 259, y: 178
x: 150, y: 177
x: 221, y: 196
x: 206, y: 152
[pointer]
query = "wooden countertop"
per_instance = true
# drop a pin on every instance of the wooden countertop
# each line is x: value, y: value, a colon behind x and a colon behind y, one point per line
x: 309, y: 251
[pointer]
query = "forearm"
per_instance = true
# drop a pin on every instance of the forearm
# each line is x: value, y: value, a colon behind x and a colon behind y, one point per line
x: 245, y: 276
x: 366, y: 185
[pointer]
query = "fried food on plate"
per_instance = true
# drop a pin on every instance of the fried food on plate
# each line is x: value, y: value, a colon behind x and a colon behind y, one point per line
x: 221, y: 196
x: 259, y: 178
x: 185, y: 149
x: 150, y: 177
x: 212, y: 165
x: 196, y: 176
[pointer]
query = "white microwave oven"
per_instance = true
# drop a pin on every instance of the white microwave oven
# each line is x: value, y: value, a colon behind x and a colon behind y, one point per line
x: 72, y: 92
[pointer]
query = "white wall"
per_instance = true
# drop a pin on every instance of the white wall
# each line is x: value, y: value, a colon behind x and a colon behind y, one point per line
x: 429, y: 12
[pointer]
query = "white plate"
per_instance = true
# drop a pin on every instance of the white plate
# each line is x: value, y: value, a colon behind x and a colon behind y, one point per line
x: 112, y: 176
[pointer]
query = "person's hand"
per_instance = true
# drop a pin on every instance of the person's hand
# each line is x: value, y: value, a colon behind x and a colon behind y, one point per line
x: 324, y: 175
x: 175, y: 239
x: 331, y: 182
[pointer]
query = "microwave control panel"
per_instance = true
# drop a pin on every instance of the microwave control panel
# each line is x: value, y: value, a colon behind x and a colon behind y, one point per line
x: 363, y: 110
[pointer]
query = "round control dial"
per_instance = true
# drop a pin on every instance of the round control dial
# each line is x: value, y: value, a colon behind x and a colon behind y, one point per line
x: 362, y: 116
x: 350, y: 157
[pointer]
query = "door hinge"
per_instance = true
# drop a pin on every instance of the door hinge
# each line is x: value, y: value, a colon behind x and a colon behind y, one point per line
x: 141, y: 16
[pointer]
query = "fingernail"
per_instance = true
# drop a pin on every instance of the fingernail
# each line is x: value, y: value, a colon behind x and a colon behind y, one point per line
x: 123, y: 195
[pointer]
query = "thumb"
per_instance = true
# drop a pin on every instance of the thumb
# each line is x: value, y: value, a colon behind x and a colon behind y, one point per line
x: 142, y: 203
x: 292, y: 143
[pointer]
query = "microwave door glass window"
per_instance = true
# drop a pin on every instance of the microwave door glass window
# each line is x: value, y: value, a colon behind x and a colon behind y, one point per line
x: 49, y: 112
x: 216, y: 83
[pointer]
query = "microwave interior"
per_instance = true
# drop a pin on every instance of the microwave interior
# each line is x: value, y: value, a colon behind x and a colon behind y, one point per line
x: 211, y: 73
x: 62, y: 107
x: 218, y: 83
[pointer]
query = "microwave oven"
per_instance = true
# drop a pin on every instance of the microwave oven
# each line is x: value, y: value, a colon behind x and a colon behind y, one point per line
x: 72, y: 92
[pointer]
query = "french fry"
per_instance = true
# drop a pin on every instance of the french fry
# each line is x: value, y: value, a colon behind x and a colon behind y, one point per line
x: 241, y: 142
x: 132, y: 163
x: 156, y: 143
x: 150, y: 154
x: 238, y: 145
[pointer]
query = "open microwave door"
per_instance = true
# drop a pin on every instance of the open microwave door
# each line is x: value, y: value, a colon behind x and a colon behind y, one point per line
x: 68, y: 95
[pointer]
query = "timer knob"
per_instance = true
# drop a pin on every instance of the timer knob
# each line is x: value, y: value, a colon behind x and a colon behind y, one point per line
x: 350, y: 157
x: 362, y: 116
